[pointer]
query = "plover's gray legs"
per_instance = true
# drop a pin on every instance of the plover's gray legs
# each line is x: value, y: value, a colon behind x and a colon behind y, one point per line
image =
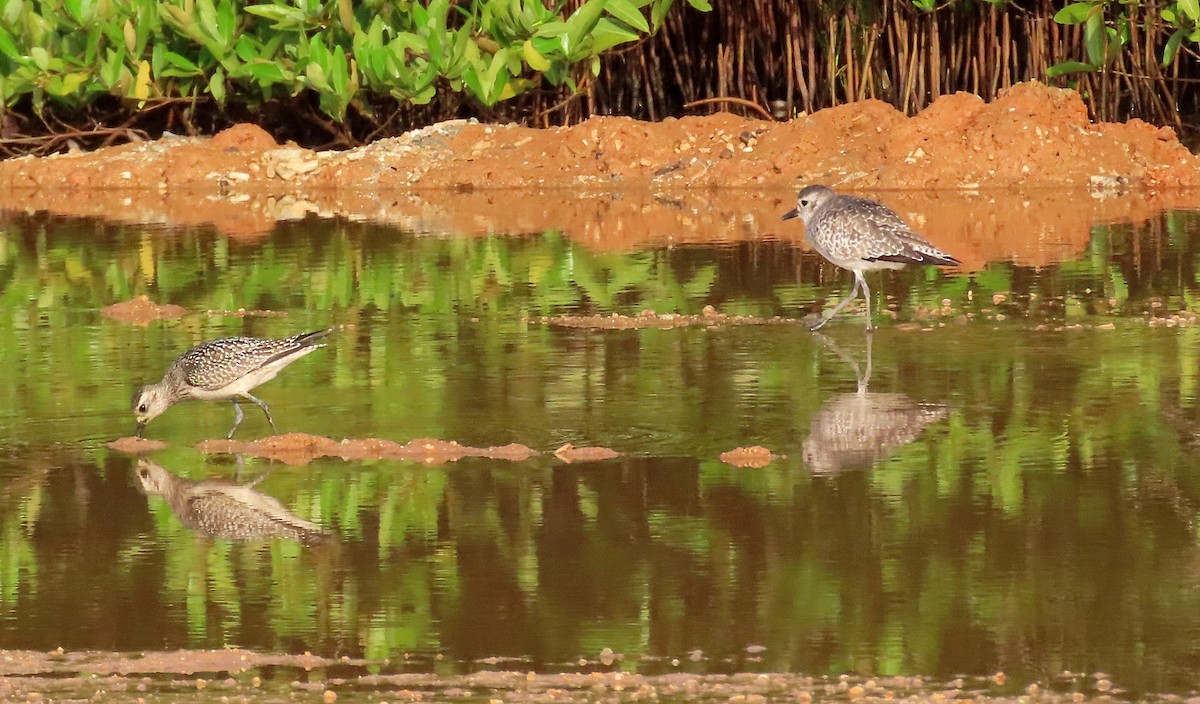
x: 263, y: 405
x: 866, y: 297
x: 237, y: 418
x: 842, y: 304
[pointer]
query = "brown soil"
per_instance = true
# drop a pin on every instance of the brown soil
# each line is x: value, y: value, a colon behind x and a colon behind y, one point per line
x: 569, y: 453
x: 652, y: 319
x: 617, y: 183
x: 753, y: 457
x: 301, y: 448
x: 235, y: 674
x: 142, y: 311
x: 136, y: 446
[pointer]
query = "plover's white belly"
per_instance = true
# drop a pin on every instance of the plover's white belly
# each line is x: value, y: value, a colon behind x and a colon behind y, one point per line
x: 246, y: 382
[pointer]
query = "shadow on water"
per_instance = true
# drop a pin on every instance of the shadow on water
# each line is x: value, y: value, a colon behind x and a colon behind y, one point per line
x: 1027, y: 499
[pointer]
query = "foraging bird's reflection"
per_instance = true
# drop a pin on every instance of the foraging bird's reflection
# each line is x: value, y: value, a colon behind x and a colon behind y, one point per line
x: 220, y: 508
x: 855, y: 430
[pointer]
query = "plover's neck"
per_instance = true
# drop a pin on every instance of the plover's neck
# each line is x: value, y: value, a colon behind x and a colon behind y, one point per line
x: 173, y: 387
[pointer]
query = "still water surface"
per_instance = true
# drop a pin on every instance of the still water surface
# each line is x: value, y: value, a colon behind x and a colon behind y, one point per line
x: 999, y: 494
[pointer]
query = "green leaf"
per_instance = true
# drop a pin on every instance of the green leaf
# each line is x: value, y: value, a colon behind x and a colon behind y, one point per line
x: 110, y: 70
x: 471, y: 80
x: 181, y: 62
x: 7, y: 46
x: 1076, y: 12
x: 316, y: 76
x: 65, y: 85
x: 74, y: 7
x: 226, y: 22
x: 208, y: 19
x: 658, y: 12
x: 553, y: 28
x: 536, y: 61
x: 496, y: 76
x: 628, y: 13
x: 580, y: 24
x: 1096, y: 39
x: 265, y: 72
x: 1067, y: 67
x: 216, y: 85
x: 608, y: 34
x: 245, y: 49
x: 1191, y: 8
x: 40, y: 57
x: 339, y: 73
x: 285, y: 18
x: 701, y: 5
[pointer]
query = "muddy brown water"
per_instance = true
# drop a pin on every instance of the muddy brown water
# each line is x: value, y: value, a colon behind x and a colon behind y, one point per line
x: 1004, y: 478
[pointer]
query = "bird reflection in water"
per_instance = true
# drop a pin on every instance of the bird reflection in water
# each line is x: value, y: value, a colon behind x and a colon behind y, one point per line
x: 224, y: 509
x: 855, y: 430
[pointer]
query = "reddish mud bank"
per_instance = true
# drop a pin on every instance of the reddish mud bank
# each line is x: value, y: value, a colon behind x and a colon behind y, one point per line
x: 753, y: 457
x: 569, y: 453
x: 142, y: 311
x: 651, y: 319
x: 135, y: 446
x: 301, y: 448
x: 1032, y: 135
x: 242, y: 675
x: 614, y: 183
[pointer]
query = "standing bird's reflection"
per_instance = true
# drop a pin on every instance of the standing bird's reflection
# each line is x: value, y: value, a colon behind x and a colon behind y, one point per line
x: 219, y: 508
x: 854, y: 430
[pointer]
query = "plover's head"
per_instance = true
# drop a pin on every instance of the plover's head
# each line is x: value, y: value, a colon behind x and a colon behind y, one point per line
x: 810, y: 198
x: 153, y: 478
x: 149, y: 402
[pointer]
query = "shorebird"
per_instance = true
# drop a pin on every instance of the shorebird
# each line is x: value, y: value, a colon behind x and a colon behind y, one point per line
x: 860, y: 235
x: 224, y: 509
x: 223, y: 369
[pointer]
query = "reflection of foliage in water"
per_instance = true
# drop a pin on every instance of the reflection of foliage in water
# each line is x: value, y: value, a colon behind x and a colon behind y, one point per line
x: 1048, y: 520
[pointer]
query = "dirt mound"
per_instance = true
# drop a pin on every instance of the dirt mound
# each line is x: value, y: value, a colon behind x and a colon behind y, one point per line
x: 569, y: 453
x: 1031, y: 135
x: 141, y: 311
x: 710, y: 317
x: 301, y: 448
x: 752, y: 457
x: 135, y: 446
x: 614, y: 183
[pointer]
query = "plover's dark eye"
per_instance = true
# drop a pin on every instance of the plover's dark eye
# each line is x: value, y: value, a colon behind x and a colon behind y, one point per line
x: 142, y: 408
x: 804, y: 204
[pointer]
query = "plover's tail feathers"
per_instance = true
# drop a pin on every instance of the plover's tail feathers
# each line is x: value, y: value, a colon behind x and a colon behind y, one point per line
x: 911, y: 248
x: 310, y: 339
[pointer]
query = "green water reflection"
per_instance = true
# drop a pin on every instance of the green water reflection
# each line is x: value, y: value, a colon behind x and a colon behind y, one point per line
x: 1042, y: 517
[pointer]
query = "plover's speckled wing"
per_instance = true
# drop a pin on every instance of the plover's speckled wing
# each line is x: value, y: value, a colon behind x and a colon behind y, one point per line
x: 218, y: 363
x: 857, y: 228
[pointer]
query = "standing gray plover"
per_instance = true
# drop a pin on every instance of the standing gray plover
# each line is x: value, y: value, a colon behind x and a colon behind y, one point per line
x: 860, y: 235
x: 226, y: 368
